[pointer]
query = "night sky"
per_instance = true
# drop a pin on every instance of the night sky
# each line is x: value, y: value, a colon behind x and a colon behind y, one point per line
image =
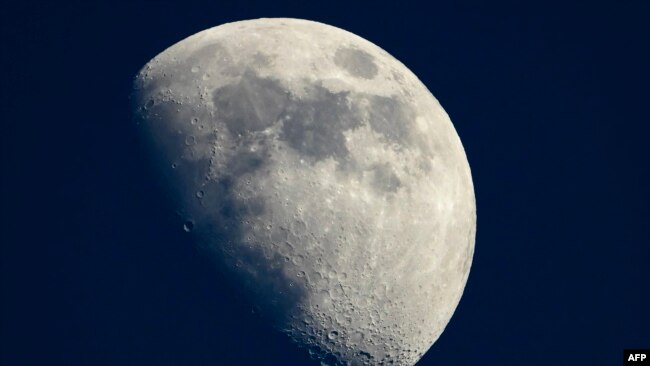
x: 550, y: 101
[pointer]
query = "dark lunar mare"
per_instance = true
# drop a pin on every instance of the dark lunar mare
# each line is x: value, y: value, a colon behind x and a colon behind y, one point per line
x: 356, y: 62
x: 392, y: 119
x: 253, y: 104
x: 312, y: 125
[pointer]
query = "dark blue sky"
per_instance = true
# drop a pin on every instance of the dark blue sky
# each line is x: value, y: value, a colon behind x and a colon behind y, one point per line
x: 550, y: 101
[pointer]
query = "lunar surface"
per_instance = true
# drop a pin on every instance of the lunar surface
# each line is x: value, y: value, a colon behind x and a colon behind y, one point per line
x: 321, y: 176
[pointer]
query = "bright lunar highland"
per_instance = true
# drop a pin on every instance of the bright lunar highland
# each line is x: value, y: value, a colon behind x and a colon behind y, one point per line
x: 321, y: 176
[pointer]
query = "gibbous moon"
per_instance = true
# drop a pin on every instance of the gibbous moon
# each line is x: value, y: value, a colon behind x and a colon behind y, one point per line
x: 321, y: 176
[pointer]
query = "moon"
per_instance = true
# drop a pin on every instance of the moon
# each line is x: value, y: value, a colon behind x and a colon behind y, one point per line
x: 321, y: 176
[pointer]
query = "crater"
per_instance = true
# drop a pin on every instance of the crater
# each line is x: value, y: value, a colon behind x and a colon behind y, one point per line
x: 356, y: 62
